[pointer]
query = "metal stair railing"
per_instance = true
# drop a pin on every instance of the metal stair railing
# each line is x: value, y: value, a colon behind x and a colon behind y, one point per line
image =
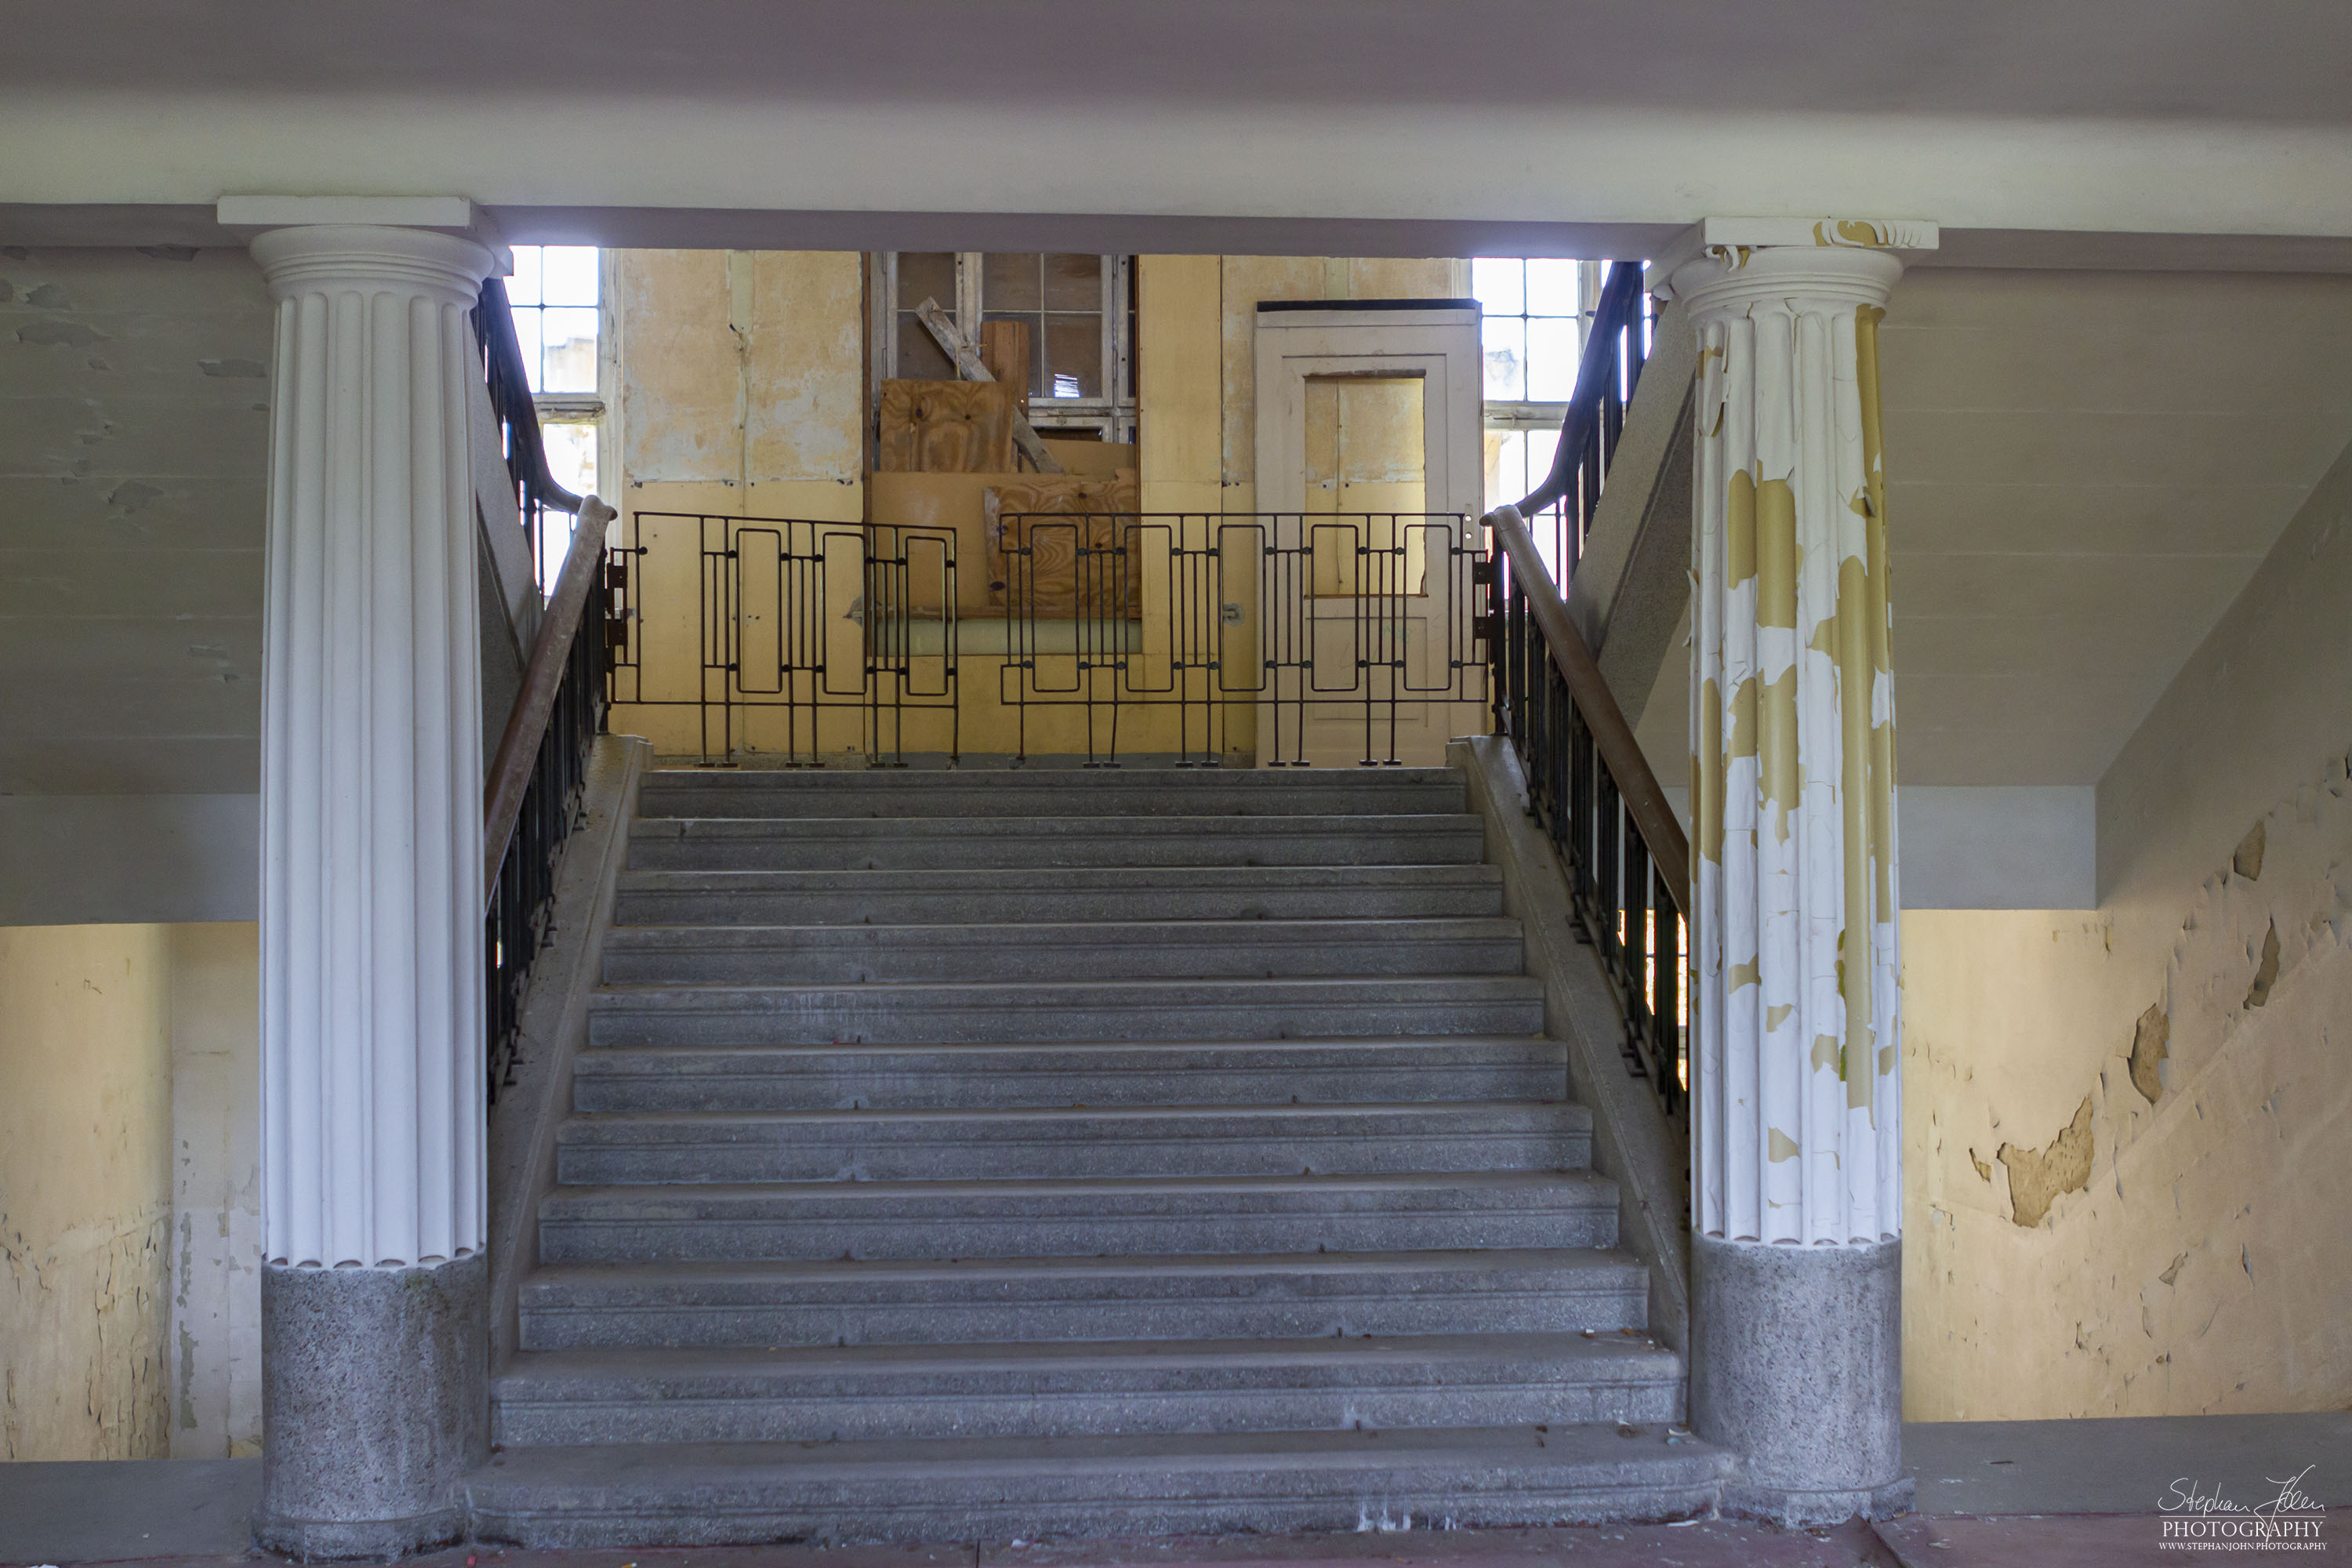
x: 1624, y: 855
x: 1624, y: 852
x: 532, y: 796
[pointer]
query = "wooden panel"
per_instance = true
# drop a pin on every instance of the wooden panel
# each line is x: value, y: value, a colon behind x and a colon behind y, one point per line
x: 946, y: 427
x: 1051, y: 583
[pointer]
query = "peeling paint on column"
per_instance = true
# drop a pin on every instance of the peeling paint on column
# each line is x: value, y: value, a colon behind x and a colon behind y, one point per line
x: 1797, y: 1131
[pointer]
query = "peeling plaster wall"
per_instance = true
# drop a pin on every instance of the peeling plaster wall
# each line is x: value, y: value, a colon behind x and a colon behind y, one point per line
x: 2198, y: 1266
x: 742, y: 377
x: 216, y: 1350
x: 84, y: 1191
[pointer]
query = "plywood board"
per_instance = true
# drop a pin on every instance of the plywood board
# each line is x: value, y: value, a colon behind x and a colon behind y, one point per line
x: 1054, y: 581
x: 946, y: 427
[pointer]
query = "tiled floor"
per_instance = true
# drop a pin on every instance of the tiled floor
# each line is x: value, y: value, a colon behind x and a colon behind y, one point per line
x: 2049, y: 1494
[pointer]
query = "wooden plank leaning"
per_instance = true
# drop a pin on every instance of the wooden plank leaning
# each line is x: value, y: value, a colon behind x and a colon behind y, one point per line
x: 967, y: 363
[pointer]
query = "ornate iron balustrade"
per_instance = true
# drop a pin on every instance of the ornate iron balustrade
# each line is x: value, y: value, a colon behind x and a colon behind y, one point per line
x: 1108, y: 636
x: 1624, y: 855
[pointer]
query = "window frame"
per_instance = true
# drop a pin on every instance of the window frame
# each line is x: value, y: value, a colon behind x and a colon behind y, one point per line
x: 1110, y: 417
x: 1524, y: 417
x: 589, y: 408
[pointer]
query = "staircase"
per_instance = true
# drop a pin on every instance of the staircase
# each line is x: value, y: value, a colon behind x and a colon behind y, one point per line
x: 966, y: 1154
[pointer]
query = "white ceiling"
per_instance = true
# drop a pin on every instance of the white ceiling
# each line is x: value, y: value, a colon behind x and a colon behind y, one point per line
x: 1394, y: 126
x: 2083, y: 470
x: 2271, y: 61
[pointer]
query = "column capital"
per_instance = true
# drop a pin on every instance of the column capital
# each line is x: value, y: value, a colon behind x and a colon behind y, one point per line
x: 1722, y: 263
x: 369, y: 257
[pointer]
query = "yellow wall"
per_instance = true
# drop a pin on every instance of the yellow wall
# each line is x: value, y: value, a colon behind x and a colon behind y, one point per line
x: 742, y: 378
x: 84, y: 1191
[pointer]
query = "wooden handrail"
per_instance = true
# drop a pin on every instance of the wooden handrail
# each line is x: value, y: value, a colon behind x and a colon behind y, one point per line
x: 1611, y: 736
x: 518, y: 752
x: 511, y: 398
x: 1620, y: 304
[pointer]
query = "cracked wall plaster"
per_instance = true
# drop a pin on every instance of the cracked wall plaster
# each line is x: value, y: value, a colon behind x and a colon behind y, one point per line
x: 2037, y: 1176
x: 85, y: 1192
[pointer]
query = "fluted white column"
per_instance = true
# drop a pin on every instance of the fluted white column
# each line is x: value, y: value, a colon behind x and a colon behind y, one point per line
x: 371, y: 768
x: 1796, y: 1011
x: 1797, y: 1103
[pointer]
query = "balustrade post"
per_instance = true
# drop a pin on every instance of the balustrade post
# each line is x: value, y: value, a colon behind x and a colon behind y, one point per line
x: 1797, y: 1078
x: 374, y: 1291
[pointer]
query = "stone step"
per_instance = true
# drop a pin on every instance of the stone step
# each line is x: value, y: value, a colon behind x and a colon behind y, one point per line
x: 1193, y: 792
x: 1093, y: 950
x: 933, y: 897
x: 1154, y: 1072
x: 618, y: 1494
x: 849, y: 1393
x: 1193, y: 1216
x: 926, y: 843
x: 1110, y: 1010
x: 999, y: 1301
x: 1055, y: 1143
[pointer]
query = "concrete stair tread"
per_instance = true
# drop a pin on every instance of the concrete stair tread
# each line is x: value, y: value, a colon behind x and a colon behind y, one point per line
x: 972, y: 1075
x: 654, y: 1464
x: 931, y: 1011
x: 1064, y: 1300
x: 1056, y: 825
x: 955, y: 1056
x: 1112, y: 781
x: 1288, y: 1189
x: 1086, y: 933
x: 1556, y: 1357
x: 714, y: 1493
x: 594, y: 1125
x: 1052, y: 826
x: 1057, y: 952
x: 1041, y: 776
x: 1406, y: 1268
x: 983, y: 878
x: 1036, y: 992
x: 1042, y: 1143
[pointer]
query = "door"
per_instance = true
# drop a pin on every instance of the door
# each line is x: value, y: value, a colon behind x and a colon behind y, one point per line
x: 1369, y: 470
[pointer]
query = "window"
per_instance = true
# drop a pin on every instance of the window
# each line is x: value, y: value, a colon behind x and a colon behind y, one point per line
x: 1078, y: 308
x: 1534, y: 313
x: 557, y: 298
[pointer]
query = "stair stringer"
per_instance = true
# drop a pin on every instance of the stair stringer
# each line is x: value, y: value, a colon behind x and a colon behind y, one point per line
x: 1632, y: 1142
